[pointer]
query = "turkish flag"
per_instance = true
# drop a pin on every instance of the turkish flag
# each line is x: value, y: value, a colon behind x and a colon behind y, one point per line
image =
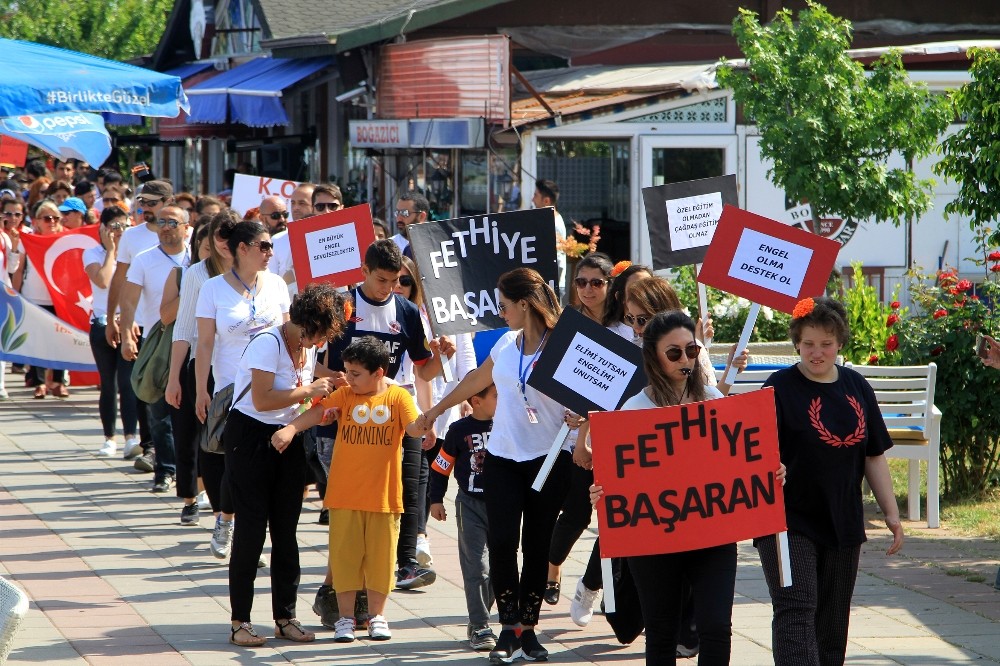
x: 58, y: 260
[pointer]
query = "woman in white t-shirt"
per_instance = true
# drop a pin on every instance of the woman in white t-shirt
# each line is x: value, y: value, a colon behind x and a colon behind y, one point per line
x: 231, y: 308
x: 524, y: 427
x: 670, y: 355
x: 116, y: 373
x: 274, y: 384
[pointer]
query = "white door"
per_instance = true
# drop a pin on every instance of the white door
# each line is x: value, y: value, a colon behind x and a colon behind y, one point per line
x: 673, y: 159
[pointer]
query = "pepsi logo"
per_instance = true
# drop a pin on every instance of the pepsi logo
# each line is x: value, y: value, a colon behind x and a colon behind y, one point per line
x: 30, y: 122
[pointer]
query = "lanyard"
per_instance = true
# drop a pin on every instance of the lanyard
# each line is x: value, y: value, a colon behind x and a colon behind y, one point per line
x: 522, y: 372
x: 170, y: 257
x: 252, y: 292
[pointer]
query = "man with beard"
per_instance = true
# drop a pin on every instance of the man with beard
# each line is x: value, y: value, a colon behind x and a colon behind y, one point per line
x: 412, y: 208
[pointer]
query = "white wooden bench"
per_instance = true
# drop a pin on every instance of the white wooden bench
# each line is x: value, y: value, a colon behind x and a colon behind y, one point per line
x: 906, y: 398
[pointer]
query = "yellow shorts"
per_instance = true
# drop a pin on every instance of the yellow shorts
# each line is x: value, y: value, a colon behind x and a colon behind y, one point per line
x: 363, y: 550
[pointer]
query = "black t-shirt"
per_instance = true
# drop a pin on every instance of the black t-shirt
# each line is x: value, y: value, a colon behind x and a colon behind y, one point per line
x: 825, y: 433
x: 462, y: 454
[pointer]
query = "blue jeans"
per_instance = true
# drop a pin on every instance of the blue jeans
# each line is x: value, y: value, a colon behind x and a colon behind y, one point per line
x: 163, y: 439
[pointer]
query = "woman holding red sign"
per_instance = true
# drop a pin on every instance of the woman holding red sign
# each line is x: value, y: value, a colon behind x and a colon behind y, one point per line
x: 670, y: 358
x: 832, y: 436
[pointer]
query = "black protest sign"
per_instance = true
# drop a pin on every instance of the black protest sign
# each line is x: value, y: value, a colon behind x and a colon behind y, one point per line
x: 461, y: 260
x: 681, y: 218
x: 586, y: 367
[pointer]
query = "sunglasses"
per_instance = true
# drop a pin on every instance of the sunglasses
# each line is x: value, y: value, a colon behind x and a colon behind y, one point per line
x: 641, y: 320
x: 406, y: 281
x: 278, y: 215
x: 596, y: 283
x: 502, y: 308
x: 168, y: 223
x: 117, y: 226
x: 327, y: 205
x: 8, y: 213
x: 265, y: 246
x: 402, y: 212
x: 49, y: 218
x: 148, y: 202
x: 674, y: 353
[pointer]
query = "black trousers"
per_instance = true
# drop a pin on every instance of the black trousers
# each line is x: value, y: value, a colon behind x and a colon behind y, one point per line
x: 406, y: 547
x: 267, y: 495
x: 509, y: 501
x: 575, y: 516
x: 660, y: 580
x: 811, y: 617
x: 185, y: 426
x: 211, y: 466
x: 116, y: 385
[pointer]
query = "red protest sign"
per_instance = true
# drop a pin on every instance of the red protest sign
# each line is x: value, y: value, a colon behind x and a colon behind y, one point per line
x: 766, y: 261
x: 13, y: 152
x: 331, y: 247
x: 687, y: 477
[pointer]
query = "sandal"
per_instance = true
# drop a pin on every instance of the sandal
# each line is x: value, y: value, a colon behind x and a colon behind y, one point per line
x: 301, y: 635
x: 255, y: 639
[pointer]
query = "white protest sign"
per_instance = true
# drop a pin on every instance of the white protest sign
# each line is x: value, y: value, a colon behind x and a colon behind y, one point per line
x: 333, y: 250
x: 249, y: 191
x: 597, y: 373
x: 770, y: 262
x: 692, y: 220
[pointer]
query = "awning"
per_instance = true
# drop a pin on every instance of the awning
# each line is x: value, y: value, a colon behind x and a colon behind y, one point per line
x: 250, y: 94
x: 183, y: 72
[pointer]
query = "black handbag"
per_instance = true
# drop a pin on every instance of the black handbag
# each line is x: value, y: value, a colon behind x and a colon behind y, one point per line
x: 210, y: 439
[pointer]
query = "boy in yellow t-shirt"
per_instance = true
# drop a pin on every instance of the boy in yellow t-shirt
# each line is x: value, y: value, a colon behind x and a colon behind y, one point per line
x: 365, y: 490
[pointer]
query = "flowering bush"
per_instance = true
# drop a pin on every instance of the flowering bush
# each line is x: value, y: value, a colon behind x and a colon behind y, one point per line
x: 729, y: 313
x: 571, y: 247
x: 947, y: 314
x: 873, y: 325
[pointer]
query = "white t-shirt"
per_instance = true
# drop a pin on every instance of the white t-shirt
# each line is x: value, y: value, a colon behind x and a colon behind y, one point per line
x: 513, y: 436
x: 561, y: 256
x: 96, y: 255
x: 281, y: 261
x: 149, y: 269
x: 641, y: 401
x: 33, y: 287
x: 234, y: 325
x: 267, y: 352
x: 135, y: 240
x: 401, y: 241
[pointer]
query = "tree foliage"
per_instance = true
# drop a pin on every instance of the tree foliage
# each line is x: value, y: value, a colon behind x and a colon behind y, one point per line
x: 829, y: 128
x: 114, y: 29
x: 972, y: 155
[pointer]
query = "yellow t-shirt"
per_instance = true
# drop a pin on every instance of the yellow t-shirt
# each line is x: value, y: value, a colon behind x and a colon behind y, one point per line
x: 366, y: 469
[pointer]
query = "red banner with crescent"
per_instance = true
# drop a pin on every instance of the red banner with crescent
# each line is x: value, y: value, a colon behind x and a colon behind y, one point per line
x: 58, y: 259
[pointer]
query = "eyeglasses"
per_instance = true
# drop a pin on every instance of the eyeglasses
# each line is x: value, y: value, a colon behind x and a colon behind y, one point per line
x: 402, y: 212
x: 596, y: 283
x: 145, y: 201
x: 674, y: 353
x: 48, y: 218
x: 641, y: 320
x: 327, y: 205
x: 265, y: 246
x: 8, y: 213
x: 278, y: 215
x: 503, y: 308
x: 406, y: 280
x: 117, y: 226
x: 168, y: 223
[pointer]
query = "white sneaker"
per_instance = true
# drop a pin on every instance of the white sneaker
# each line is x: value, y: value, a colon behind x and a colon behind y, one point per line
x: 424, y: 558
x: 132, y: 448
x: 378, y: 628
x: 222, y: 538
x: 581, y: 608
x: 109, y: 449
x: 343, y: 630
x: 202, y: 501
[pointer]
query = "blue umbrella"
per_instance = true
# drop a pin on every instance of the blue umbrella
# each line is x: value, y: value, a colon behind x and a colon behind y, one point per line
x: 45, y: 79
x: 66, y: 134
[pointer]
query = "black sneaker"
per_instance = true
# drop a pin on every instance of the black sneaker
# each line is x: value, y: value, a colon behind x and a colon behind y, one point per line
x: 324, y: 517
x: 189, y: 514
x: 326, y: 606
x: 531, y: 649
x: 145, y: 462
x: 412, y: 576
x: 508, y: 648
x: 163, y: 485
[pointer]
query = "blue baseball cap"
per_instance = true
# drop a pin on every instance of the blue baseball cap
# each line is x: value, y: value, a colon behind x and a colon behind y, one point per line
x: 73, y: 203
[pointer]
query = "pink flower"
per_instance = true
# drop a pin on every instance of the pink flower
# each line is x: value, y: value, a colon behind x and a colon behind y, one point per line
x: 892, y: 344
x: 940, y: 313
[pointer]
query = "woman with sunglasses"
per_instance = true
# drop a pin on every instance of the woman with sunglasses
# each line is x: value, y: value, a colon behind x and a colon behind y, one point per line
x: 524, y: 427
x: 669, y: 353
x: 231, y: 308
x: 116, y: 373
x: 625, y: 274
x: 46, y: 220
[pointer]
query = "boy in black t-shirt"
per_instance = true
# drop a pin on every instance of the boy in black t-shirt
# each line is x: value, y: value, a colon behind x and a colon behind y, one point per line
x: 463, y: 453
